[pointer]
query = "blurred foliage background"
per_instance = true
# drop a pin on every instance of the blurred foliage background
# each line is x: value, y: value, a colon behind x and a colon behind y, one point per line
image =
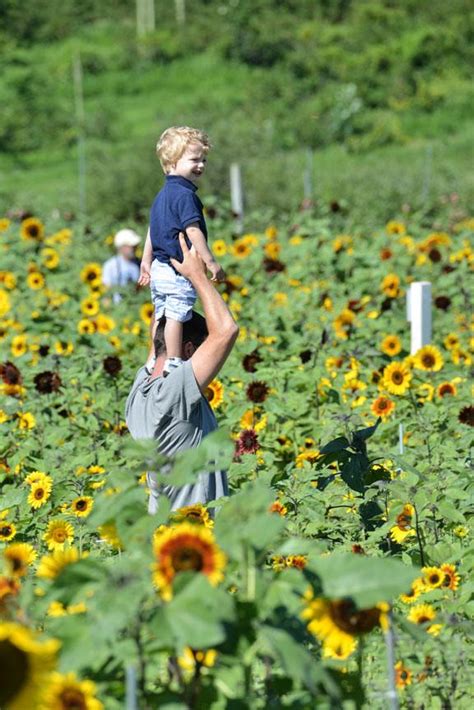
x: 377, y: 92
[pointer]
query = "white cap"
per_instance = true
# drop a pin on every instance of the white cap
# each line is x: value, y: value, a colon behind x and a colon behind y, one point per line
x: 126, y: 238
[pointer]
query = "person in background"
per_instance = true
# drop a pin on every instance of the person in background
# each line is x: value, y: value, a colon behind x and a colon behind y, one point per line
x: 123, y: 268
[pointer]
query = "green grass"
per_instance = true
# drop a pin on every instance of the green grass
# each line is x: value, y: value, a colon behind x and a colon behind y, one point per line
x: 127, y: 107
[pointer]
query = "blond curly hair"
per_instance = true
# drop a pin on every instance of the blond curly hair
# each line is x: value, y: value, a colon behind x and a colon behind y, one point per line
x: 174, y: 141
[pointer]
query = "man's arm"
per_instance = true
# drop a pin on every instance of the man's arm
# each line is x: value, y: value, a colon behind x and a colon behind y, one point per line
x: 145, y: 265
x: 212, y: 354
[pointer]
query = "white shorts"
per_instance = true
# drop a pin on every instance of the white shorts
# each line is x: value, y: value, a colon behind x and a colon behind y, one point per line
x: 172, y: 295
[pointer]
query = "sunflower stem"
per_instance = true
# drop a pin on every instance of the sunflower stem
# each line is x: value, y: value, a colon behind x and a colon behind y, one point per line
x: 418, y: 537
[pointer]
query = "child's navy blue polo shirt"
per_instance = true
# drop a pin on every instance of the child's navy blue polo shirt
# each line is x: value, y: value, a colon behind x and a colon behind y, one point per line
x: 175, y: 207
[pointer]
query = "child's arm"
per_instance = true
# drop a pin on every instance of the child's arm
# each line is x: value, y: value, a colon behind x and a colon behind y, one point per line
x: 147, y: 258
x: 198, y: 240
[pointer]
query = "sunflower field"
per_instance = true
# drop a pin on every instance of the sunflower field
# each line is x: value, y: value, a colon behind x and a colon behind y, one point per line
x: 338, y: 573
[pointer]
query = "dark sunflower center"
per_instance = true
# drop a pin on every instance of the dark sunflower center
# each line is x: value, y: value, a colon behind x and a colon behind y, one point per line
x: 447, y: 580
x: 91, y: 276
x: 59, y: 535
x: 434, y: 578
x: 397, y: 377
x: 428, y: 360
x: 72, y: 699
x: 33, y: 231
x: 81, y: 505
x: 383, y: 404
x: 17, y: 564
x: 403, y: 675
x: 5, y: 531
x: 187, y: 559
x: 39, y: 493
x: 14, y: 668
x: 422, y: 619
x: 346, y: 616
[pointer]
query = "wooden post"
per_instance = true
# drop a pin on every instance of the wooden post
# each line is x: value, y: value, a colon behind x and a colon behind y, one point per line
x: 80, y: 127
x: 419, y: 314
x: 141, y: 18
x: 150, y: 16
x: 236, y: 197
x: 308, y: 176
x: 180, y: 9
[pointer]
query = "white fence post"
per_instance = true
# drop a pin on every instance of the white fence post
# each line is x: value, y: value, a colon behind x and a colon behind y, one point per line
x: 237, y: 197
x: 80, y: 126
x: 131, y: 688
x: 419, y: 314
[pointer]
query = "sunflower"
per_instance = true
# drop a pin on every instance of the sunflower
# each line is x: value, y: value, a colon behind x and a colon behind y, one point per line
x: 451, y: 341
x: 50, y: 566
x: 428, y: 358
x: 7, y: 531
x: 394, y: 227
x: 85, y: 327
x: 278, y: 507
x: 32, y: 229
x: 146, y: 313
x: 67, y: 692
x: 108, y: 532
x: 8, y: 279
x: 39, y: 494
x: 104, y: 324
x: 382, y: 407
x: 241, y: 249
x: 196, y: 513
x: 35, y: 281
x: 446, y: 389
x: 337, y: 623
x: 403, y: 676
x: 247, y: 442
x: 421, y: 614
x: 190, y: 658
x: 391, y: 345
x: 451, y: 577
x: 26, y: 420
x: 50, y: 257
x: 9, y: 588
x: 417, y: 588
x: 47, y: 382
x: 253, y: 419
x: 4, y: 224
x: 391, y: 285
x: 396, y: 378
x: 219, y: 248
x: 280, y: 298
x: 310, y: 455
x: 403, y: 528
x: 82, y: 506
x: 63, y: 347
x: 91, y: 274
x: 39, y: 477
x: 215, y: 393
x: 257, y: 391
x: 5, y: 303
x: 90, y: 306
x: 19, y: 345
x: 58, y: 533
x: 19, y: 556
x: 25, y: 665
x: 272, y: 250
x: 182, y: 548
x: 433, y: 577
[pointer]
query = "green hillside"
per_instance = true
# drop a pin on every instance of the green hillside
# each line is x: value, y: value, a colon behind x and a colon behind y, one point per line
x: 379, y: 92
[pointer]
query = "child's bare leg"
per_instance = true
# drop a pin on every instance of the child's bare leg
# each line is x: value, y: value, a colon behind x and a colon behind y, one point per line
x: 173, y: 338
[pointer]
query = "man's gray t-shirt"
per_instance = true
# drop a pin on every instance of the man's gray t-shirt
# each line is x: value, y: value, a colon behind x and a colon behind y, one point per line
x: 174, y: 412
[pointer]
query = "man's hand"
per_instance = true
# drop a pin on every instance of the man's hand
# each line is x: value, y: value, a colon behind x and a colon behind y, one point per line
x: 144, y: 278
x: 192, y: 265
x: 218, y: 273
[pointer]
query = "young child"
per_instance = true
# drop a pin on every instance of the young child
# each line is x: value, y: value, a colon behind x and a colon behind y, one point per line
x: 182, y: 152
